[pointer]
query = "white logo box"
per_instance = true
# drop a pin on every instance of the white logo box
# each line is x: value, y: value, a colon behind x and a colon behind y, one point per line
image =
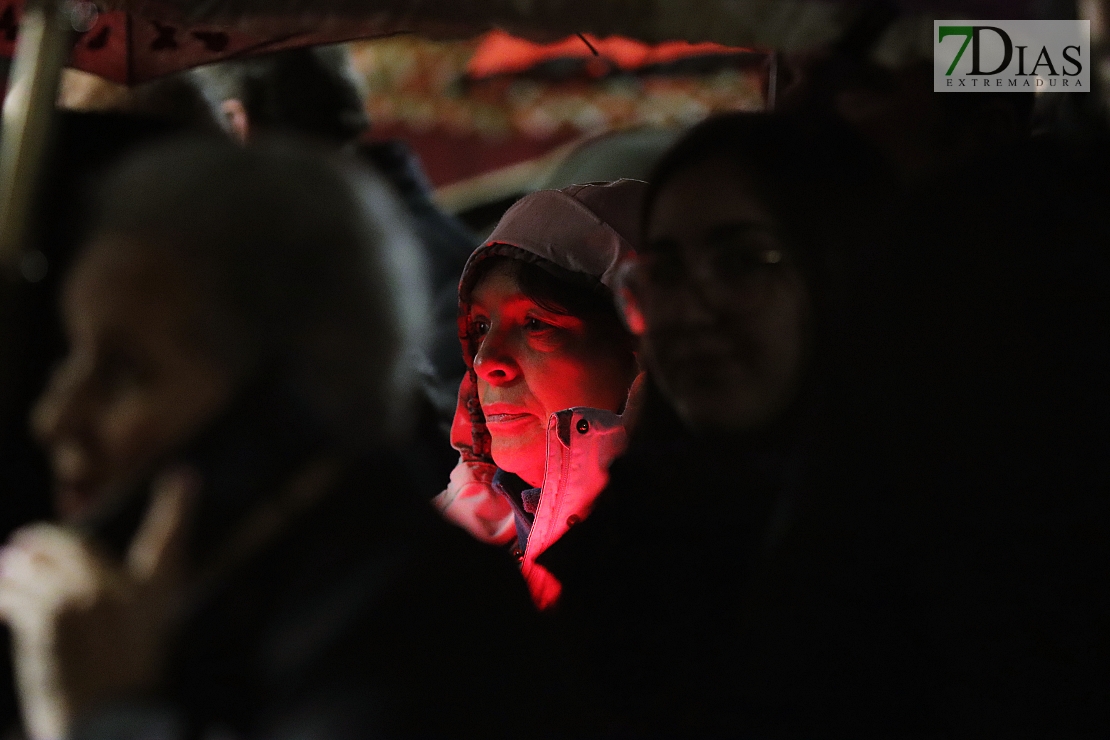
x: 1011, y: 56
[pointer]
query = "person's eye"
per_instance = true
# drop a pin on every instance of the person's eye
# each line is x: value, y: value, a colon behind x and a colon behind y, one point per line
x: 534, y: 325
x: 743, y: 261
x: 480, y: 327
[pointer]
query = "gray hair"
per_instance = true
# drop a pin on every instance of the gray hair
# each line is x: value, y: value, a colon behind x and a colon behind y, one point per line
x: 310, y: 262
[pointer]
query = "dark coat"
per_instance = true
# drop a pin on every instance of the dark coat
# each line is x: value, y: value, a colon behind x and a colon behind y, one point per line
x: 657, y: 581
x: 369, y: 617
x: 937, y: 566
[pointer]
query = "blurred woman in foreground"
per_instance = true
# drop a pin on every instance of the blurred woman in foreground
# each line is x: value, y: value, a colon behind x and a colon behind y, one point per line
x: 240, y: 326
x: 551, y: 368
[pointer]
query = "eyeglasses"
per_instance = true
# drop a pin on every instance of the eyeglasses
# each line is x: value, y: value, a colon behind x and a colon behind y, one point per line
x: 738, y: 271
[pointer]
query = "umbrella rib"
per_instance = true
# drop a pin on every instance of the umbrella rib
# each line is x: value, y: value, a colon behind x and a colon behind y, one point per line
x: 589, y: 46
x: 129, y: 39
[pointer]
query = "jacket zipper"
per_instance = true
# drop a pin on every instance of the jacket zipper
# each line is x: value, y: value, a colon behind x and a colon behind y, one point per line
x: 564, y: 469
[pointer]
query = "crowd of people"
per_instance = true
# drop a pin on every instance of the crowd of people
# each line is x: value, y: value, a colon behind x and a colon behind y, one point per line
x: 806, y: 435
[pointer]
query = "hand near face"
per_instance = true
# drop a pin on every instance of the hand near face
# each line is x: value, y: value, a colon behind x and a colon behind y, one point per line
x: 87, y: 629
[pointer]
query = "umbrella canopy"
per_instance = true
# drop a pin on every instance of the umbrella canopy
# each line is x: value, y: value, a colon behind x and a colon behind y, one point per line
x: 133, y: 41
x: 131, y: 49
x: 780, y: 24
x: 768, y: 23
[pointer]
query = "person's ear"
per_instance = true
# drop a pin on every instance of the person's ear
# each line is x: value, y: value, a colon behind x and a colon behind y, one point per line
x: 236, y: 119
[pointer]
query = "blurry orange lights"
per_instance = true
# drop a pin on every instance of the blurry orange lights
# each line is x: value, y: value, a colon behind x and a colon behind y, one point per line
x: 502, y: 54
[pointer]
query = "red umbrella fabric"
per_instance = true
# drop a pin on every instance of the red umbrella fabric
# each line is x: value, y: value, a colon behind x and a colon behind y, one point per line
x: 786, y: 25
x: 780, y: 24
x: 134, y: 41
x: 130, y: 49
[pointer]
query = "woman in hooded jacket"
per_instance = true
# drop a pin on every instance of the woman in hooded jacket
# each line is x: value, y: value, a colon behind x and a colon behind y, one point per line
x: 550, y: 371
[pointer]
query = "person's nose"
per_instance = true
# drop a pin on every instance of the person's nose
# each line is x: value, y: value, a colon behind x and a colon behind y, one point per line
x: 684, y: 304
x: 61, y: 409
x: 494, y: 362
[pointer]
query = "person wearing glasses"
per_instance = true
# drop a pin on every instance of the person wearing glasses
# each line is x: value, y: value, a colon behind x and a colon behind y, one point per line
x: 747, y: 222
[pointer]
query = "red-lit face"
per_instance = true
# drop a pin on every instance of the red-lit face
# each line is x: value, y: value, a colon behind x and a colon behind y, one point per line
x: 726, y: 310
x: 137, y: 380
x: 532, y: 362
